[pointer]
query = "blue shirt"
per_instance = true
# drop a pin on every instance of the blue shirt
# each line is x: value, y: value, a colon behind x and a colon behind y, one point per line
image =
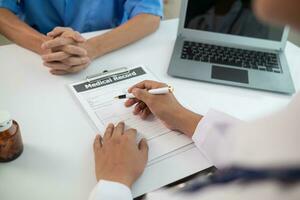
x: 81, y: 15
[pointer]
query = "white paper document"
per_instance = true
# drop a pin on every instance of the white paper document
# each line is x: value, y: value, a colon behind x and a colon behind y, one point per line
x: 172, y: 156
x: 97, y: 98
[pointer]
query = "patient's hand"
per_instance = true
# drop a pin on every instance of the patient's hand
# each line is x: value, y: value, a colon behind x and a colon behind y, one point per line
x: 67, y: 52
x: 117, y: 156
x: 165, y: 107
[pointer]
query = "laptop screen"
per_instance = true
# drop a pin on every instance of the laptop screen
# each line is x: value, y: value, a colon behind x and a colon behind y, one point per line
x: 234, y: 17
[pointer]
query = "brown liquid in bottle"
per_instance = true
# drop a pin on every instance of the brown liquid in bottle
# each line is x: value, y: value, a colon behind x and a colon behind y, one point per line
x: 11, y: 145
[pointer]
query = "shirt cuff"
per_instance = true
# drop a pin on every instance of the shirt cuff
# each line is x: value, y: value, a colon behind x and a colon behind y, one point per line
x: 212, y: 136
x: 147, y: 10
x: 108, y: 190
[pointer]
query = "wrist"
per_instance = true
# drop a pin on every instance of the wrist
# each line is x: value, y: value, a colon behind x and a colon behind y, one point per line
x: 91, y: 48
x: 188, y: 122
x: 43, y: 39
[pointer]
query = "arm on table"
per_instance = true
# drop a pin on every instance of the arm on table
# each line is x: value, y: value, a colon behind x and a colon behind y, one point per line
x: 134, y: 30
x: 209, y: 133
x: 212, y: 137
x: 224, y: 140
x: 208, y: 136
x: 19, y: 32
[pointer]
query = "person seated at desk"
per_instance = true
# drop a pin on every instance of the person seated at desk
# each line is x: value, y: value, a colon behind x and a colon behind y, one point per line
x: 256, y: 160
x: 64, y: 50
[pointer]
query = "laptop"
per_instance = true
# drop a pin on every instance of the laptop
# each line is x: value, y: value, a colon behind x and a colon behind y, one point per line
x: 221, y: 41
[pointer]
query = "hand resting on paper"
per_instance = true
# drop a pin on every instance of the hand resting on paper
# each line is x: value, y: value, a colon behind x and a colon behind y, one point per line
x: 117, y: 156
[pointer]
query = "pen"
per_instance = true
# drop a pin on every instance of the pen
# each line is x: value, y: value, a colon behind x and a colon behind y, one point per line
x: 164, y: 90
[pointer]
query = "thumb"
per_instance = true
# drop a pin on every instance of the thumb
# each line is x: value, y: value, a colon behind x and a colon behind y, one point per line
x: 78, y: 37
x: 55, y: 33
x: 142, y: 95
x: 143, y: 146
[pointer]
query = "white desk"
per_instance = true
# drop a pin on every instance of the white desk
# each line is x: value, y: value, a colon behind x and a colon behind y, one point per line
x: 58, y: 160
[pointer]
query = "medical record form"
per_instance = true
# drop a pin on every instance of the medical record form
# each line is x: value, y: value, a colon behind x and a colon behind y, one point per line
x: 96, y: 96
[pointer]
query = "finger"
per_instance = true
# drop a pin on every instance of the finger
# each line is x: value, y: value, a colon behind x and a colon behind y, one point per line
x: 58, y: 72
x: 145, y: 113
x: 144, y: 148
x: 142, y: 95
x: 108, y: 132
x: 75, y: 35
x: 74, y: 50
x: 57, y: 65
x: 78, y: 37
x: 131, y: 102
x: 131, y: 133
x: 147, y: 84
x: 74, y: 61
x: 78, y: 68
x: 58, y: 31
x: 56, y: 56
x: 57, y: 42
x: 97, y: 143
x: 119, y: 130
x: 139, y: 107
x: 66, y: 32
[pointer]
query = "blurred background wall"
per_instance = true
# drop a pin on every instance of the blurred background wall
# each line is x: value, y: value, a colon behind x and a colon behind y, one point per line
x: 172, y: 8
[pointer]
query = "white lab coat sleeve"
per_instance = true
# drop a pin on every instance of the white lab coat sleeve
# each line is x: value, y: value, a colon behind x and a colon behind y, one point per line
x: 107, y: 190
x: 212, y: 137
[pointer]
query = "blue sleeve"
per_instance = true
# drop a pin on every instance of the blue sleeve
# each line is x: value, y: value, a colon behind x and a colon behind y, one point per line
x: 12, y: 5
x: 135, y: 7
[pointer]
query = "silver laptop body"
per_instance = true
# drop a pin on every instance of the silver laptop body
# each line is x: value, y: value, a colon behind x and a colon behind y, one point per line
x: 225, y: 44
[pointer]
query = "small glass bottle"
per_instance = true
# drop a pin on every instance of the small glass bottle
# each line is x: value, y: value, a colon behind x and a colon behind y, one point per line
x: 11, y: 145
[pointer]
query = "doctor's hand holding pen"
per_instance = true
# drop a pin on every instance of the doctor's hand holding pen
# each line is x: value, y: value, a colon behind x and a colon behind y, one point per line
x: 164, y: 106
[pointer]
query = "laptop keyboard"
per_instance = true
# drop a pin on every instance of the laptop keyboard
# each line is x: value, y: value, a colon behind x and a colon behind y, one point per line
x: 231, y: 56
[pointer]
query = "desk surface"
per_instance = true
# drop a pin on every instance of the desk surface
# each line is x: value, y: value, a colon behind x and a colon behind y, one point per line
x: 58, y: 160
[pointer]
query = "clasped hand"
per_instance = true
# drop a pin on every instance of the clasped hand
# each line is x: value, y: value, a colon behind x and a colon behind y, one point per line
x: 66, y: 51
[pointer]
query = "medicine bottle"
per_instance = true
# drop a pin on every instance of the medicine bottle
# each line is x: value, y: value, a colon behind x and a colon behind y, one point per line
x: 11, y: 145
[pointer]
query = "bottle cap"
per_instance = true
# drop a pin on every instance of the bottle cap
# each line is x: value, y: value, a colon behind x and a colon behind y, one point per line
x: 5, y: 121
